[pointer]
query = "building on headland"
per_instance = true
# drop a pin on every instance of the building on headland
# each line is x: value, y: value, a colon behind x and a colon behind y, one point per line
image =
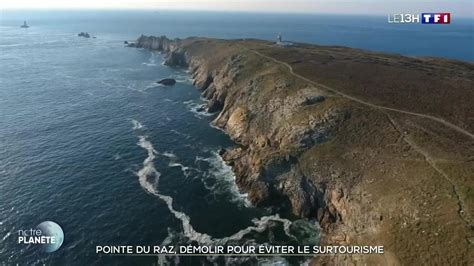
x: 279, y: 38
x: 280, y: 41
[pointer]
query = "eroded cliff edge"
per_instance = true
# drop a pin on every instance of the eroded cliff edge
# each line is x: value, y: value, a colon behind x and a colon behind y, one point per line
x: 376, y: 147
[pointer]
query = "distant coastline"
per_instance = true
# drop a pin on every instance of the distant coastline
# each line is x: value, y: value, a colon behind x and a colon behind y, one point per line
x: 357, y: 31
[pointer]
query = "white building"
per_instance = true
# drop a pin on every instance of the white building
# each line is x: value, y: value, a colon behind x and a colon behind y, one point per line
x: 280, y: 41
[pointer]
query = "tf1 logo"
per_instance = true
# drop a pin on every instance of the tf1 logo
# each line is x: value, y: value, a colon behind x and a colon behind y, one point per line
x: 424, y: 18
x: 436, y: 18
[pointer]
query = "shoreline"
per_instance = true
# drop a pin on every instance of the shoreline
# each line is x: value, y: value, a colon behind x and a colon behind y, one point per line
x: 331, y: 154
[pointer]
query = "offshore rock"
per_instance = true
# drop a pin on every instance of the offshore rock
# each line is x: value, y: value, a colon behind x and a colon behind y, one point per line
x: 167, y: 82
x: 84, y: 34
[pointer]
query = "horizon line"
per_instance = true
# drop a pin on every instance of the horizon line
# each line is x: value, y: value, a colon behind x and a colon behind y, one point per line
x: 295, y: 12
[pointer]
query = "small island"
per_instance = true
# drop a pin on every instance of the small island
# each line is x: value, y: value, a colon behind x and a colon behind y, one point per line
x: 84, y: 34
x: 377, y: 147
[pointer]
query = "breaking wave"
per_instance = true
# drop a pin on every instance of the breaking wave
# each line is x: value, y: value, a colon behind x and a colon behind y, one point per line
x: 259, y: 225
x: 198, y: 109
x: 174, y: 163
x: 183, y: 79
x: 151, y: 61
x: 148, y: 177
x: 224, y: 178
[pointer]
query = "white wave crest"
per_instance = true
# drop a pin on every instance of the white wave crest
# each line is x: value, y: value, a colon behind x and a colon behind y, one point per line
x: 183, y: 78
x: 149, y: 177
x: 6, y: 236
x: 184, y: 169
x: 136, y: 125
x: 174, y: 163
x: 198, y: 109
x: 224, y: 177
x: 169, y: 155
x: 148, y: 171
x: 259, y: 226
x: 151, y: 60
x: 186, y: 223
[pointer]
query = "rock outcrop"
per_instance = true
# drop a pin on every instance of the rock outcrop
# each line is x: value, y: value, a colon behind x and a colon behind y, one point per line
x: 360, y: 170
x: 84, y: 34
x: 167, y: 82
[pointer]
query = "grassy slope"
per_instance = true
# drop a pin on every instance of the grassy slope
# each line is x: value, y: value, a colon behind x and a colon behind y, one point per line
x: 403, y: 176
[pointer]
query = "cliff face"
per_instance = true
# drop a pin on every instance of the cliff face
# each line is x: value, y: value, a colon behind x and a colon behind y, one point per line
x: 369, y: 175
x: 266, y: 161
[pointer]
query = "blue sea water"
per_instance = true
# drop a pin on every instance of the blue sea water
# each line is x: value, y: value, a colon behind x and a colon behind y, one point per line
x: 455, y: 40
x: 88, y: 140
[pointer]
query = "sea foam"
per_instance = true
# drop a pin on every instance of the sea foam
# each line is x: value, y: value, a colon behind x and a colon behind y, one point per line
x: 136, y: 125
x: 224, y: 178
x: 149, y: 177
x: 148, y: 171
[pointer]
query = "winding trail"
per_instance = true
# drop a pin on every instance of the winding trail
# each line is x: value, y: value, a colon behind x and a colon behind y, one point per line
x: 431, y: 162
x: 436, y: 119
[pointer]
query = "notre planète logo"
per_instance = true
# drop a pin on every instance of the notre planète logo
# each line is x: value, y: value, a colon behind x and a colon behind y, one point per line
x: 47, y: 235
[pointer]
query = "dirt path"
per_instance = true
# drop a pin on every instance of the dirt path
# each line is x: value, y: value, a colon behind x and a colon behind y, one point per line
x: 431, y: 162
x: 439, y: 120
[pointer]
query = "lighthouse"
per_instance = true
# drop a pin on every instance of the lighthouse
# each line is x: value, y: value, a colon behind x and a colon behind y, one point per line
x: 24, y: 25
x: 282, y: 43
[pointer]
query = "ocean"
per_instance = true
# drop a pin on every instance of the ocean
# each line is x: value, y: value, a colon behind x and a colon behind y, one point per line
x: 90, y: 141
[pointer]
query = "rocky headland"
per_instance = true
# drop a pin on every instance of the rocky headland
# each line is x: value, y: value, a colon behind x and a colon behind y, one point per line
x: 377, y: 147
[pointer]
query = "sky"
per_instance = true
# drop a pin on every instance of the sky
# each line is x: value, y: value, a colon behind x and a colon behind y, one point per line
x: 463, y: 8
